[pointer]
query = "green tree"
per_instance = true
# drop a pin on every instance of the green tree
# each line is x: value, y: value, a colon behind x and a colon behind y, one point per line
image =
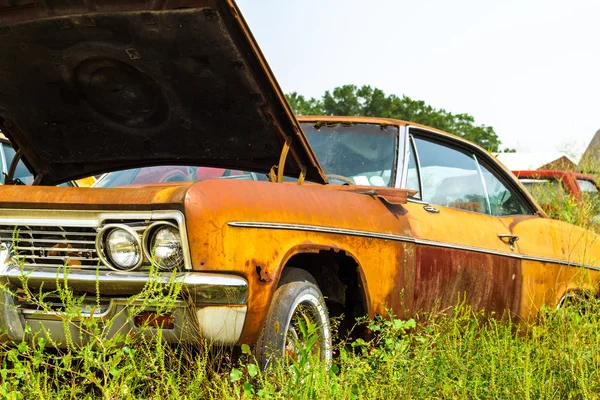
x: 351, y: 100
x: 303, y: 106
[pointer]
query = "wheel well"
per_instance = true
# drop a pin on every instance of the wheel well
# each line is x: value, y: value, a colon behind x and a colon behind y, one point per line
x: 337, y: 275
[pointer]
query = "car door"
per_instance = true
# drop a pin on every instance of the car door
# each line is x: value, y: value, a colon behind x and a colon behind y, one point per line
x: 462, y: 250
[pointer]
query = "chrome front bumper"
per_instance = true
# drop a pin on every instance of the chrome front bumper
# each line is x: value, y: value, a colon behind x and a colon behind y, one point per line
x: 211, y: 305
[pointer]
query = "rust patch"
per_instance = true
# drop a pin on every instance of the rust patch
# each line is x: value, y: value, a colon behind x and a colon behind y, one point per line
x: 263, y: 274
x: 488, y: 282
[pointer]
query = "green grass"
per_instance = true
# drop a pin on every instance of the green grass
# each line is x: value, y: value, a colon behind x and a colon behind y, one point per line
x: 459, y: 355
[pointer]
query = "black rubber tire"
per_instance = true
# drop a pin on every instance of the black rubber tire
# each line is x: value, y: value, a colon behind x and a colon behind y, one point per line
x: 296, y: 288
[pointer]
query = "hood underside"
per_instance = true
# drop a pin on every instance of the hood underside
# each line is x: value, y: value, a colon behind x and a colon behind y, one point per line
x: 94, y: 86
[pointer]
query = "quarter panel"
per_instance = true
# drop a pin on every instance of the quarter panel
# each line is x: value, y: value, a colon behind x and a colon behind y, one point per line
x: 557, y: 257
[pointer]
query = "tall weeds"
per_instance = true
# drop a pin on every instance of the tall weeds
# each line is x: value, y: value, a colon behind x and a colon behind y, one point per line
x: 463, y: 354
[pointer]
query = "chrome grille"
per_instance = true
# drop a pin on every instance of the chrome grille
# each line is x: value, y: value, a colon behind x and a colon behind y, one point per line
x: 52, y: 246
x: 56, y: 238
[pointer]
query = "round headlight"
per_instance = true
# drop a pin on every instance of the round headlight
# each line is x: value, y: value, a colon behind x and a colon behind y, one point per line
x: 123, y: 249
x: 164, y: 246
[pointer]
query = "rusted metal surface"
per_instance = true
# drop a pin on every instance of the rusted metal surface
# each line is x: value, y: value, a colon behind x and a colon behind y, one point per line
x: 389, y: 195
x: 485, y: 281
x: 211, y: 205
x: 143, y: 197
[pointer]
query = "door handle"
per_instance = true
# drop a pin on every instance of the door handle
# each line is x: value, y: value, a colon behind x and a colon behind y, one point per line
x: 508, y: 239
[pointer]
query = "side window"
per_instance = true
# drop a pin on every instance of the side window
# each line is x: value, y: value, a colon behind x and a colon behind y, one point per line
x: 450, y: 177
x: 412, y: 179
x: 503, y: 201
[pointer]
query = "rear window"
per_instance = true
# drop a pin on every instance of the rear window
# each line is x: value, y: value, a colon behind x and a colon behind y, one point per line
x: 587, y: 186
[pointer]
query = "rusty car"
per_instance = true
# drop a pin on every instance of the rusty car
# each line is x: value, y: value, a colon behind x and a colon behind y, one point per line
x: 324, y: 216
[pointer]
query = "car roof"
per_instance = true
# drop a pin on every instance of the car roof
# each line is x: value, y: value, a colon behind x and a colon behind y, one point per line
x: 381, y: 121
x: 436, y: 132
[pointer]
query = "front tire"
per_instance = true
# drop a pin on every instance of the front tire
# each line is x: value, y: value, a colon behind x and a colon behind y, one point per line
x: 297, y: 297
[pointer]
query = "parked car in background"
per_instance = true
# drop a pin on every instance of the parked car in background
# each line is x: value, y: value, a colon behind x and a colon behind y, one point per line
x: 570, y: 183
x: 336, y: 216
x: 22, y: 173
x: 553, y: 188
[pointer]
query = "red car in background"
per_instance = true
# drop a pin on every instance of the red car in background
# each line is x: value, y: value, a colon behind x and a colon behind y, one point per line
x: 573, y: 183
x: 552, y: 189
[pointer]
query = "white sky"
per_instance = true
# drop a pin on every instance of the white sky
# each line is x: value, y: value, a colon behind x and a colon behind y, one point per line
x: 529, y: 68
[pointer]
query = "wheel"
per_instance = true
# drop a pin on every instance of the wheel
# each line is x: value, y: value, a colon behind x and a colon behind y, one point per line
x: 578, y: 300
x: 297, y: 298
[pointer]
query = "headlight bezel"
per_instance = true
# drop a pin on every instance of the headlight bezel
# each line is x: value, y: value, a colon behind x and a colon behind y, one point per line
x: 150, y: 233
x: 102, y: 247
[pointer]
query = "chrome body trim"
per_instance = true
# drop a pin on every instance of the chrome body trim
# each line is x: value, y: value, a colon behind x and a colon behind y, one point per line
x: 485, y: 190
x: 91, y: 312
x: 418, y: 165
x: 200, y: 287
x: 3, y: 166
x: 322, y: 229
x: 148, y: 233
x: 401, y: 159
x: 399, y: 238
x: 417, y: 201
x: 102, y: 250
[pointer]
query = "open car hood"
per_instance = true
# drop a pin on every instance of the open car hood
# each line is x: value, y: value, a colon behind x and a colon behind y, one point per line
x: 94, y: 86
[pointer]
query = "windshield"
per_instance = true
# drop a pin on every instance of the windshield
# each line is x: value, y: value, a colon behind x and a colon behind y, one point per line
x: 361, y: 154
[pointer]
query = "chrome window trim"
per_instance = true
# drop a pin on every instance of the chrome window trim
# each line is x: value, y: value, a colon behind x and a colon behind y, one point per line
x: 94, y: 219
x: 401, y: 157
x: 3, y: 159
x: 411, y: 142
x: 417, y: 201
x: 485, y: 191
x: 492, y: 163
x: 406, y: 239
